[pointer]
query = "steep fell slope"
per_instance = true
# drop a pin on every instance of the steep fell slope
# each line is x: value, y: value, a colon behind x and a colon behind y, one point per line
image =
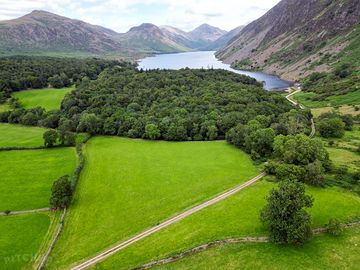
x: 295, y: 38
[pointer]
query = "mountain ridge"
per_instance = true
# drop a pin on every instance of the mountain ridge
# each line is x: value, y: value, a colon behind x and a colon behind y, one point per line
x: 42, y: 31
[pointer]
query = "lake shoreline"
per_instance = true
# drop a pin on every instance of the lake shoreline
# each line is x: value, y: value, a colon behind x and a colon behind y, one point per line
x: 207, y: 59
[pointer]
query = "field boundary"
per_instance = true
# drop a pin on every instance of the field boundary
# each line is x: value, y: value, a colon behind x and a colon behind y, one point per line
x: 203, y: 247
x: 47, y: 254
x: 110, y: 251
x: 74, y: 180
x: 16, y: 148
x: 21, y: 212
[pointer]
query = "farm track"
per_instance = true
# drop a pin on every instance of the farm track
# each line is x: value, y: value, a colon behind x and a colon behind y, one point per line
x: 110, y: 251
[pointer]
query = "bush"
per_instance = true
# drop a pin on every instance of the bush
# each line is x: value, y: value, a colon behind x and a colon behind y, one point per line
x: 334, y: 227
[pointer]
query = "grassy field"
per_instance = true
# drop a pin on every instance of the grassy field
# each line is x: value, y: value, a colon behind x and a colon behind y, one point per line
x: 322, y: 252
x: 20, y: 239
x: 342, y: 157
x: 48, y: 98
x: 27, y: 176
x: 237, y: 216
x: 21, y: 136
x: 352, y: 98
x: 130, y: 185
x: 343, y: 151
x: 344, y: 109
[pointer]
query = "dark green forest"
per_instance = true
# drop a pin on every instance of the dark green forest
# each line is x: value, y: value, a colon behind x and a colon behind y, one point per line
x: 171, y: 105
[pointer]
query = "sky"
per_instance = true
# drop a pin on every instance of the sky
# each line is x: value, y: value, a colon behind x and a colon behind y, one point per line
x: 121, y: 15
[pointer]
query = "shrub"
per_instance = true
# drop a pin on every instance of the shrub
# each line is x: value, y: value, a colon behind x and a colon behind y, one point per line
x: 334, y: 227
x: 332, y: 128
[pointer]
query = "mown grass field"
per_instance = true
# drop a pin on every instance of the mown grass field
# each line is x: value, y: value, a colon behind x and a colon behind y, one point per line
x: 322, y: 252
x: 48, y: 98
x: 20, y: 239
x: 27, y: 176
x: 130, y: 185
x: 237, y: 216
x: 351, y: 98
x: 20, y: 136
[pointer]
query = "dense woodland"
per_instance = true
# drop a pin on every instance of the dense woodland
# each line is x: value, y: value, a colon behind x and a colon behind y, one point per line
x: 20, y: 72
x: 171, y: 105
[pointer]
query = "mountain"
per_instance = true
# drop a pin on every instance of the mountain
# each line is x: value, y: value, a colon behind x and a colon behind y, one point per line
x: 180, y: 36
x: 224, y: 39
x: 44, y: 32
x: 295, y: 38
x: 150, y: 38
x: 204, y: 35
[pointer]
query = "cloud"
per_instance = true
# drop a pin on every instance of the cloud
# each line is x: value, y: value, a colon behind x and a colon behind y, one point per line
x: 120, y: 15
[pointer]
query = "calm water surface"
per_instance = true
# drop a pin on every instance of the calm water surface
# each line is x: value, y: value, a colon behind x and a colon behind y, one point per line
x: 206, y: 60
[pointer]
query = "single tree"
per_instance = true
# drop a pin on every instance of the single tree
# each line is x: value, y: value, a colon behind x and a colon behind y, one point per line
x: 61, y: 193
x: 284, y: 214
x: 50, y: 137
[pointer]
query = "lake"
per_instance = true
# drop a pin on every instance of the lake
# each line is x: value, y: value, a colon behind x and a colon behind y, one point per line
x: 206, y: 59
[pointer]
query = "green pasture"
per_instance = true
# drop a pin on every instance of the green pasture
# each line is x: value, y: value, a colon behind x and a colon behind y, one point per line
x: 305, y: 98
x: 322, y: 252
x: 237, y: 216
x: 48, y: 98
x: 129, y: 185
x: 27, y: 176
x: 20, y: 136
x: 21, y: 238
